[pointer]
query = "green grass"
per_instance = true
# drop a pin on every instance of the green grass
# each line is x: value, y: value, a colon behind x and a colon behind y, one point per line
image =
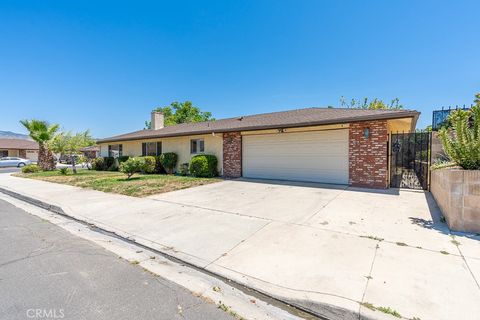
x: 116, y: 182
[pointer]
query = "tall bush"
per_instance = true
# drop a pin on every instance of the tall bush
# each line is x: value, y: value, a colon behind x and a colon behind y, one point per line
x: 158, y: 165
x: 462, y: 142
x: 149, y: 166
x: 169, y: 161
x: 204, y: 165
x: 98, y: 164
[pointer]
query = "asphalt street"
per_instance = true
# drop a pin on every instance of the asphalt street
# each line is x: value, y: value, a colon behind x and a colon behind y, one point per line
x: 9, y: 169
x: 46, y: 272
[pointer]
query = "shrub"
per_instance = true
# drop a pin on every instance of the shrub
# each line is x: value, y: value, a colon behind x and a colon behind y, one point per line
x: 122, y: 159
x: 204, y: 165
x: 149, y: 166
x: 462, y: 144
x: 169, y: 161
x: 183, y: 170
x: 63, y: 171
x: 158, y: 166
x: 98, y: 164
x: 132, y: 166
x: 31, y: 168
x: 110, y: 164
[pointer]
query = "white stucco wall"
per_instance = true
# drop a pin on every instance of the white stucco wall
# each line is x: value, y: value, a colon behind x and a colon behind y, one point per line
x: 179, y: 145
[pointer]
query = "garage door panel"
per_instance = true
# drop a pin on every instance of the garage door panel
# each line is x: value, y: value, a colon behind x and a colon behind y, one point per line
x: 320, y: 156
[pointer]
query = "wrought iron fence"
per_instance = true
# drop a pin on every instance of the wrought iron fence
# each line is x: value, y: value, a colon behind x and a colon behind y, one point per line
x: 440, y: 117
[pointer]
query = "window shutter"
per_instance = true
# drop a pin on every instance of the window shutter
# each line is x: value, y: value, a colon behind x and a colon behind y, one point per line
x: 120, y: 150
x: 144, y: 149
x: 159, y: 148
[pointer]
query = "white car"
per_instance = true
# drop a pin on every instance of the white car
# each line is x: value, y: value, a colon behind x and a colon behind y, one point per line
x: 14, y: 162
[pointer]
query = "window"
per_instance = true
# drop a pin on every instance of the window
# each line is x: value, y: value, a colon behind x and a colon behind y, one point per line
x: 115, y: 150
x: 197, y: 146
x: 152, y: 148
x: 3, y: 153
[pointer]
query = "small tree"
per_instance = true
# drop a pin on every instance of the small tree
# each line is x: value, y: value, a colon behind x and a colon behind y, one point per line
x: 42, y: 132
x: 132, y: 166
x: 462, y: 143
x: 375, y: 104
x: 70, y: 144
x: 181, y: 112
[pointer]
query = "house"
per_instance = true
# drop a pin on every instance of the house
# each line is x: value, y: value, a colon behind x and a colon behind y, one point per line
x: 329, y: 145
x: 90, y: 151
x: 22, y: 148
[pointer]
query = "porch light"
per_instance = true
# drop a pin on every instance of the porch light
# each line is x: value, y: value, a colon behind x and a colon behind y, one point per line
x: 366, y: 133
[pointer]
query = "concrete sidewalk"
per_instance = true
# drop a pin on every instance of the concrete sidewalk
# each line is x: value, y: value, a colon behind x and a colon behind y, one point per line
x: 326, y: 262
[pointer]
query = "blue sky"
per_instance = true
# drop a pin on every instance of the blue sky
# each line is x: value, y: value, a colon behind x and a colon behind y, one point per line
x: 104, y: 65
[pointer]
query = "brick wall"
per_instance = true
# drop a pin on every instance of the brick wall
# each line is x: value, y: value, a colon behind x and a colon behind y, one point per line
x: 22, y: 153
x: 368, y: 157
x: 232, y: 155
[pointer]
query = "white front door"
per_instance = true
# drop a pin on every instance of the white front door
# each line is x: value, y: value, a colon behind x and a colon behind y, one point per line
x: 317, y: 156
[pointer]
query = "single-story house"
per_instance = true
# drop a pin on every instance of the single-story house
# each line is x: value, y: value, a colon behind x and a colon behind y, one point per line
x: 330, y: 145
x: 21, y: 148
x: 90, y: 151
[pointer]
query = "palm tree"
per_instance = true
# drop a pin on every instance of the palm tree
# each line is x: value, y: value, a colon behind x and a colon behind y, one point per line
x: 42, y: 132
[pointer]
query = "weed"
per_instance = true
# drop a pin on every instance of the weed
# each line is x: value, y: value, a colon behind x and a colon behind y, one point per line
x: 372, y: 238
x: 418, y: 247
x: 455, y: 242
x: 402, y: 244
x: 135, y: 262
x: 444, y: 252
x: 216, y: 289
x: 390, y: 311
x: 229, y: 310
x: 368, y: 305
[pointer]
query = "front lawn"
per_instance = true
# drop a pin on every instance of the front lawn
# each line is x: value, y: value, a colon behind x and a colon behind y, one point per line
x: 138, y: 186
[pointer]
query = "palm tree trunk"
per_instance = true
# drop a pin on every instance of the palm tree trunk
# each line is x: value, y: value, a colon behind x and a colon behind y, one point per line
x: 45, y: 158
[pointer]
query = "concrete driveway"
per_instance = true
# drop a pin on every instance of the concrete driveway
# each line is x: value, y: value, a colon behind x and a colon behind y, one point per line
x: 333, y: 249
x: 342, y: 245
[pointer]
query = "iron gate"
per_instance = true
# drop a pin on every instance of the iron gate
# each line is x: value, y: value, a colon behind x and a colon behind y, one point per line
x: 410, y: 160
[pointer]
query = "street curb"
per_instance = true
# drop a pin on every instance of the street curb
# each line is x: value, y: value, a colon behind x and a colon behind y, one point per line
x: 291, y: 306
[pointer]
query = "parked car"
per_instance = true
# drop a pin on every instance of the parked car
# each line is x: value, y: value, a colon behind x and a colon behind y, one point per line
x: 14, y: 162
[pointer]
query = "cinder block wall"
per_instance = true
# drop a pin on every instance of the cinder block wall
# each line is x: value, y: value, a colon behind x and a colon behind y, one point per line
x: 457, y: 193
x: 232, y: 155
x: 368, y: 157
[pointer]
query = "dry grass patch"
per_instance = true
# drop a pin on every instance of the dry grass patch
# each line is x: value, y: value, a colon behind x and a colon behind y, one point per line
x: 116, y: 182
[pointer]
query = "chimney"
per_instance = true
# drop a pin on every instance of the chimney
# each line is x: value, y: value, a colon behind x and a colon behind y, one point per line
x: 157, y: 120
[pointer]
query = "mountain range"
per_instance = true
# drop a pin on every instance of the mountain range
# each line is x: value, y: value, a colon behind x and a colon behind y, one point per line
x: 13, y: 135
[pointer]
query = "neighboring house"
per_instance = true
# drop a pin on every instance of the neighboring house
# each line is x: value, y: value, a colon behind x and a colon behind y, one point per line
x: 90, y: 151
x: 26, y: 149
x: 330, y: 145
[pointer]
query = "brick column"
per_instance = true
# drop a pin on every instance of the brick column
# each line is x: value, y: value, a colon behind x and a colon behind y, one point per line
x: 22, y: 153
x: 232, y: 155
x: 368, y: 157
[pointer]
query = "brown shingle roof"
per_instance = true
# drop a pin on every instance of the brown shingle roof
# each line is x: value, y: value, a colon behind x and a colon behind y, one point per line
x: 283, y: 119
x: 18, y: 144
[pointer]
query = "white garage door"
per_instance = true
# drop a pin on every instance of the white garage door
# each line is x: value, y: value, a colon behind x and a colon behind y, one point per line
x: 319, y: 156
x: 32, y: 155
